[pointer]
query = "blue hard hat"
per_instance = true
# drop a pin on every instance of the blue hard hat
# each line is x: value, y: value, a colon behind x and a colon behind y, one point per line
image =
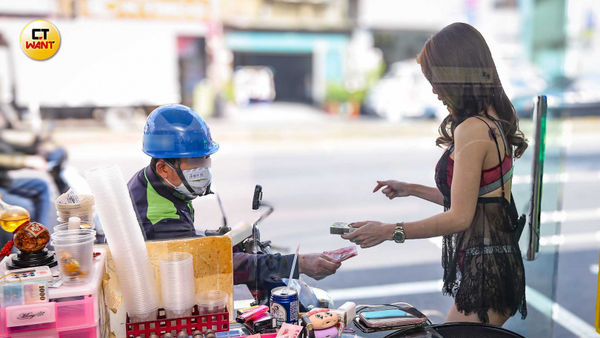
x: 176, y: 131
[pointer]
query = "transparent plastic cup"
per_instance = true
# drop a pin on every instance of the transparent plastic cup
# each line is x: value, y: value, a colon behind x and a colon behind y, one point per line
x: 177, y: 283
x: 142, y: 317
x: 61, y: 232
x: 212, y: 301
x: 65, y: 227
x: 87, y: 218
x: 74, y: 253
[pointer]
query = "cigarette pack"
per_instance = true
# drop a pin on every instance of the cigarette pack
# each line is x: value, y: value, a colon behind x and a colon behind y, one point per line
x: 340, y: 228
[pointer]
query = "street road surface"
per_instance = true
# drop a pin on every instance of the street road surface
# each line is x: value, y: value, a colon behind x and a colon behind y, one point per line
x: 318, y: 169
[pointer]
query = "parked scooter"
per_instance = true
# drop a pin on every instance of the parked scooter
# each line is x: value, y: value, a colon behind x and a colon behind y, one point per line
x: 246, y: 238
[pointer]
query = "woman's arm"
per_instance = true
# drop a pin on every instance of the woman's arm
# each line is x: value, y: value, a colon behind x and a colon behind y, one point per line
x: 430, y: 194
x: 393, y: 189
x: 471, y: 141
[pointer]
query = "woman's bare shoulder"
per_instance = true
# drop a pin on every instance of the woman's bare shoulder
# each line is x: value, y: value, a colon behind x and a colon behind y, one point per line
x: 473, y: 128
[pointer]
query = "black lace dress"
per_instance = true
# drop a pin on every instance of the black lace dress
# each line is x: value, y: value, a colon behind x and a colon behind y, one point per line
x: 483, y: 266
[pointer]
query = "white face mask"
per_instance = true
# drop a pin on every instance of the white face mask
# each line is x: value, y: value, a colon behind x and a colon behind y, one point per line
x: 198, y: 178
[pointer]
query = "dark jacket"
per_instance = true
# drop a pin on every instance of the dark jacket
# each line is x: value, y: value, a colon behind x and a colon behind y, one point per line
x: 163, y: 213
x: 9, y: 160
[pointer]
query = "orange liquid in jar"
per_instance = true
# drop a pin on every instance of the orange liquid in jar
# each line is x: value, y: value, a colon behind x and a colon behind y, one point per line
x: 10, y: 221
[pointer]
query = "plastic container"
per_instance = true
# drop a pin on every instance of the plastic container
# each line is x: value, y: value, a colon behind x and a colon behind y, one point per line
x: 74, y: 252
x: 87, y: 219
x: 177, y: 283
x: 66, y: 317
x: 70, y: 204
x: 65, y: 227
x: 213, y: 301
x: 125, y: 240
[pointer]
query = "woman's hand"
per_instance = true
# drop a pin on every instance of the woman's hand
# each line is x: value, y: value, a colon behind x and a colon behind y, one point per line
x: 393, y: 188
x: 370, y: 233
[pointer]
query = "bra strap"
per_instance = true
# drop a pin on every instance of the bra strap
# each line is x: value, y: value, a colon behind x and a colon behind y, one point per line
x: 498, y: 151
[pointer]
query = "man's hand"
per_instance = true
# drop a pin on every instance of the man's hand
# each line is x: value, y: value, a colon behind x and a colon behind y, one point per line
x: 317, y: 266
x: 393, y: 188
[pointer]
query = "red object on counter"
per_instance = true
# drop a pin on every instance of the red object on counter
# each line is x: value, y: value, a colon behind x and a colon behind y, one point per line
x: 6, y: 249
x: 216, y: 322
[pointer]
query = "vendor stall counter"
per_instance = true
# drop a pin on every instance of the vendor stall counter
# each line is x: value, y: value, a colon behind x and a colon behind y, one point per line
x: 71, y: 311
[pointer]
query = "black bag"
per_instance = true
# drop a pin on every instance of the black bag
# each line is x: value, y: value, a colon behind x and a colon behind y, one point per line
x: 517, y: 222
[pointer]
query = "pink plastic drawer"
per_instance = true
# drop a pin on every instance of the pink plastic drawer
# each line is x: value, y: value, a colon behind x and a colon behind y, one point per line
x: 66, y: 316
x: 88, y: 332
x: 75, y: 314
x: 30, y: 315
x: 7, y: 329
x: 50, y: 333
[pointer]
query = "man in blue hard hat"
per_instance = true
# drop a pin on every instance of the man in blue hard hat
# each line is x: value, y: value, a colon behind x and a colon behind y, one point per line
x: 179, y: 142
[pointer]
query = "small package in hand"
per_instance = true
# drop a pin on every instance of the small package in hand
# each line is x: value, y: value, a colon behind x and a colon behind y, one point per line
x: 340, y: 228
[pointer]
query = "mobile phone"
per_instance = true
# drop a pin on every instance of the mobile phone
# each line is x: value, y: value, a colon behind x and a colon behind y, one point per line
x: 339, y: 228
x: 382, y: 314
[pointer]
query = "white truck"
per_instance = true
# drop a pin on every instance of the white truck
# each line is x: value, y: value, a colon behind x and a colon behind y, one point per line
x: 102, y: 66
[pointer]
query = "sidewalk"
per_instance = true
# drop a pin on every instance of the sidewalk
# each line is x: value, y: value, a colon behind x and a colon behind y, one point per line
x: 291, y: 122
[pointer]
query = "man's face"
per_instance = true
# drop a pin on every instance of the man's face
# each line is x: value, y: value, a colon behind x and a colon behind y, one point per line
x: 165, y: 171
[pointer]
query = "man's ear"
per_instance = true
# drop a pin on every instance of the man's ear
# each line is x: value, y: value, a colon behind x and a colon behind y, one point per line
x: 161, y: 168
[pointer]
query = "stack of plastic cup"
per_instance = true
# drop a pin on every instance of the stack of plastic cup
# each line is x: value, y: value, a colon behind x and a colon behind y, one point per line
x: 177, y: 283
x: 212, y: 301
x: 125, y: 241
x: 74, y: 252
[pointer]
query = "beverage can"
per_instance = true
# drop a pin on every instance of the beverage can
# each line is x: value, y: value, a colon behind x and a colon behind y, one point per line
x: 284, y: 305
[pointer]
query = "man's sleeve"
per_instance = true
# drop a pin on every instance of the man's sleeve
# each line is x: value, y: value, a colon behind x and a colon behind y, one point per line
x: 258, y: 271
x: 12, y: 161
x: 169, y: 228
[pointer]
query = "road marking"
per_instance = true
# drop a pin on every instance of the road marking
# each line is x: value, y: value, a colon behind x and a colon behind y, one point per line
x: 570, y: 215
x: 560, y: 217
x: 437, y: 241
x: 560, y: 315
x: 543, y: 304
x: 571, y: 239
x: 570, y: 177
x: 387, y: 290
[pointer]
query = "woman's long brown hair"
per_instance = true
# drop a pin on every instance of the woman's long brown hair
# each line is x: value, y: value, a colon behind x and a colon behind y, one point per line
x: 458, y: 64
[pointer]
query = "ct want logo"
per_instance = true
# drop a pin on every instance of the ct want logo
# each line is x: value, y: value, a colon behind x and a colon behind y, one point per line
x: 40, y: 40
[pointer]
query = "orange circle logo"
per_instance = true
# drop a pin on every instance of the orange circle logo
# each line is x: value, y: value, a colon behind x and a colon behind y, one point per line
x: 40, y: 40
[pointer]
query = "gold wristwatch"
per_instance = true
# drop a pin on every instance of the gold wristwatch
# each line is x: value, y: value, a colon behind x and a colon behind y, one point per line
x: 399, y: 234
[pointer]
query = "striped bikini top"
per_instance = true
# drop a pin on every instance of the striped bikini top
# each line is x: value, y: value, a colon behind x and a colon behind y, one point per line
x: 492, y: 178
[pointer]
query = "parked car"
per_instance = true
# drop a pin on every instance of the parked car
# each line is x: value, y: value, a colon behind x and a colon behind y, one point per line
x: 405, y: 93
x: 253, y: 84
x: 575, y: 96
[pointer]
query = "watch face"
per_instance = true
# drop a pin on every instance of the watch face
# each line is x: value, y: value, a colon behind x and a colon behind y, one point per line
x: 399, y: 236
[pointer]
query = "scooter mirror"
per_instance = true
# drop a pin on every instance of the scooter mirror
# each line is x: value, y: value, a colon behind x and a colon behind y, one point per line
x: 257, y: 198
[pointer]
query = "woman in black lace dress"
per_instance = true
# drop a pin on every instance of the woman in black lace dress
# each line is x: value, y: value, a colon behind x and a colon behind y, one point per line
x: 483, y: 267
